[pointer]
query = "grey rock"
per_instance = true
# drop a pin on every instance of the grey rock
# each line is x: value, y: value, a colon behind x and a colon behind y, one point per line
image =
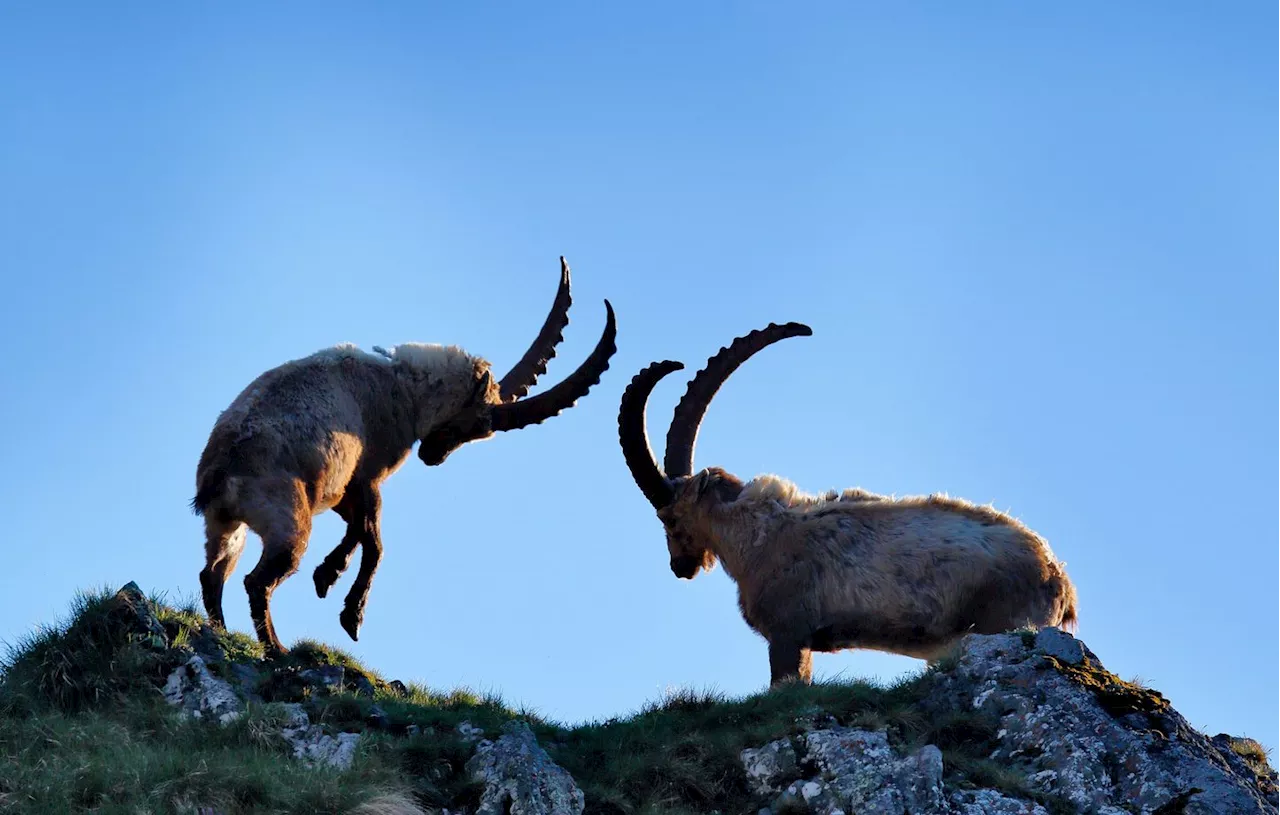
x: 295, y: 716
x: 520, y: 778
x: 363, y: 686
x: 1095, y: 756
x: 468, y: 732
x: 808, y: 796
x: 205, y: 643
x: 246, y: 679
x: 377, y: 718
x: 132, y: 611
x: 312, y: 745
x: 1057, y: 643
x: 862, y: 773
x: 990, y: 802
x: 199, y: 694
x: 325, y: 677
x: 852, y: 771
x: 771, y: 767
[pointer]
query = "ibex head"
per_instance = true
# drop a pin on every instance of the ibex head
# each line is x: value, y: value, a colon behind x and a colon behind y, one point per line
x: 686, y: 503
x: 499, y: 406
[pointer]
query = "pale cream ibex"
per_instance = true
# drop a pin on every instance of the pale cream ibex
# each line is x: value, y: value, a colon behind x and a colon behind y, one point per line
x: 841, y: 570
x: 323, y: 432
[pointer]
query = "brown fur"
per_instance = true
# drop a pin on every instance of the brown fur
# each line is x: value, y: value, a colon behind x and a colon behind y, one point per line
x: 320, y: 433
x: 858, y: 570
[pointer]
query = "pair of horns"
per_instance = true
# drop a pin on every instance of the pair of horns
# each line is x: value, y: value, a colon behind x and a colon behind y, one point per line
x: 657, y: 485
x: 516, y: 412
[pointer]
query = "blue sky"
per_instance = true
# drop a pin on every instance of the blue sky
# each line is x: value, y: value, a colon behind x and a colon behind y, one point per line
x: 1036, y: 245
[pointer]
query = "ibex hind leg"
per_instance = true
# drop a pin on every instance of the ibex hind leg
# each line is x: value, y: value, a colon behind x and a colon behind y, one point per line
x: 224, y: 542
x: 284, y: 526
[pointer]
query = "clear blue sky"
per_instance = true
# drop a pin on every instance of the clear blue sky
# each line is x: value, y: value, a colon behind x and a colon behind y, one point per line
x: 1036, y: 244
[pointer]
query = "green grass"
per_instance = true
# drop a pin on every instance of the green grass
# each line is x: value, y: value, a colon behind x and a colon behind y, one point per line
x: 87, y: 661
x: 83, y: 728
x: 142, y: 759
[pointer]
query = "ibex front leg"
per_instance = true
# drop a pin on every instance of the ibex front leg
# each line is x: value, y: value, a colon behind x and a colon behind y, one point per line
x: 337, y: 561
x: 367, y: 525
x: 789, y: 660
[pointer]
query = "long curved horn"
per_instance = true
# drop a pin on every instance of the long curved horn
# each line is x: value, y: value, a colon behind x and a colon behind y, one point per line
x: 634, y: 438
x: 524, y: 374
x: 537, y: 409
x: 683, y: 433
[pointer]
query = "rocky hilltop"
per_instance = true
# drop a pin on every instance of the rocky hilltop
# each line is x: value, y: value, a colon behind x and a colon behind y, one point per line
x: 139, y: 707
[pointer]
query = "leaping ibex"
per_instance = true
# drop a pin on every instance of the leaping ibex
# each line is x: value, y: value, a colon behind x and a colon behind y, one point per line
x: 324, y: 431
x: 841, y: 570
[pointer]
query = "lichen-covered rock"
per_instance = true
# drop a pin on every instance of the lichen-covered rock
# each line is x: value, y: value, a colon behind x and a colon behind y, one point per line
x: 770, y: 767
x: 312, y: 745
x: 862, y: 773
x: 990, y: 802
x: 848, y: 771
x: 200, y: 694
x: 520, y: 778
x: 1081, y: 734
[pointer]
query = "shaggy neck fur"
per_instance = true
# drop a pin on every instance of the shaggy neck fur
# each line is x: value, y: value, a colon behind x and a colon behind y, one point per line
x: 740, y: 530
x: 441, y: 378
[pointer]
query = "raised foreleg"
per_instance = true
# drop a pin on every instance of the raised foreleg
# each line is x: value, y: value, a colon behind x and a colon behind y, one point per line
x: 337, y: 561
x: 366, y: 517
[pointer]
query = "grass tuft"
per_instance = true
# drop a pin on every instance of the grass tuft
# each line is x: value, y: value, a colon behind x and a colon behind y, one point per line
x: 97, y: 656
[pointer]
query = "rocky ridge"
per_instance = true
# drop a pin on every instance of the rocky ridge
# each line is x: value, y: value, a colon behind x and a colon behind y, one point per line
x: 1063, y: 734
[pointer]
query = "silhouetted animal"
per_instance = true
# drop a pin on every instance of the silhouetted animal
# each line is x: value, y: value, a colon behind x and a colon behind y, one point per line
x: 843, y: 570
x: 324, y: 431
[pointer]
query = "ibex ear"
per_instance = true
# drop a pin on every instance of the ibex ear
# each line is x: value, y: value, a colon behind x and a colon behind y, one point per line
x: 721, y: 485
x: 705, y: 482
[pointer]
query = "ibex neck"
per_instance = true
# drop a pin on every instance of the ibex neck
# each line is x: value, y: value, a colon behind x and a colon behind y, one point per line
x: 738, y: 541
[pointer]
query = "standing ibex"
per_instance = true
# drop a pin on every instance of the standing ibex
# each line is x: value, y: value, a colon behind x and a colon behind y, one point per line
x: 324, y: 431
x: 843, y: 570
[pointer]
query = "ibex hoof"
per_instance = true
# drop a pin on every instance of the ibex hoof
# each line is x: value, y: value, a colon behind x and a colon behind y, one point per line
x: 351, y: 622
x: 324, y: 578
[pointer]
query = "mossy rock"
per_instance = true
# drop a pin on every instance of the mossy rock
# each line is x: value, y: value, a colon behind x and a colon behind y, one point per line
x: 1117, y: 697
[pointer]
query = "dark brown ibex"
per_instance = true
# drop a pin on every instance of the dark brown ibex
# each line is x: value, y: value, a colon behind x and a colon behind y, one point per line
x: 842, y: 570
x: 323, y: 432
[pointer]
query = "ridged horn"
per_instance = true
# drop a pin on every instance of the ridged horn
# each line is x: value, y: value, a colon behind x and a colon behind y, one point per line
x: 683, y: 433
x: 524, y: 374
x: 635, y: 439
x: 537, y: 409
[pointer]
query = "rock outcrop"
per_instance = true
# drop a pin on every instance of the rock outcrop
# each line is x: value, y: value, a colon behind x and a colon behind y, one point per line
x: 1080, y: 734
x: 1077, y: 735
x: 199, y: 694
x: 314, y: 746
x: 852, y: 771
x: 520, y: 778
